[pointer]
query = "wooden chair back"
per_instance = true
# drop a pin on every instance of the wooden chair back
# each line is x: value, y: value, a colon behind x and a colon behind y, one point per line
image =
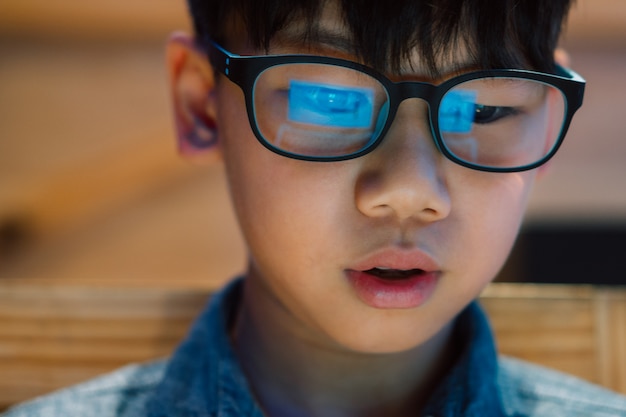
x: 55, y: 336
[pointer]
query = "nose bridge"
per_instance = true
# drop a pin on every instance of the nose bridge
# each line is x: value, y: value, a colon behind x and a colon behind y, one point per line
x: 418, y: 92
x: 414, y: 89
x: 418, y: 114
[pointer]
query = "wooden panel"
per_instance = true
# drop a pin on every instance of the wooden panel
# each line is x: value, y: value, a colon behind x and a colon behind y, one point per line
x: 580, y: 330
x: 51, y: 337
x: 558, y: 332
x: 57, y: 335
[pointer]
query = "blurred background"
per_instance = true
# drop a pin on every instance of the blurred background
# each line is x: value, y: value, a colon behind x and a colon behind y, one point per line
x: 92, y: 191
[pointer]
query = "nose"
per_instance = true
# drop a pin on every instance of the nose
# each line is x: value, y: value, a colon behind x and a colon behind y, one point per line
x: 403, y: 178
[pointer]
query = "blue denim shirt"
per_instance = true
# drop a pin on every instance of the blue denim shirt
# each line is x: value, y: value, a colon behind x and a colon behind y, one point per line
x: 203, y: 378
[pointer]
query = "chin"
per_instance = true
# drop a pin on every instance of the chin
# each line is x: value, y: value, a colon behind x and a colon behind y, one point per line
x: 390, y: 339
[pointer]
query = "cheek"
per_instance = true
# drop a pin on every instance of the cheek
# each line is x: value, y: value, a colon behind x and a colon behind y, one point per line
x: 286, y: 208
x: 496, y: 210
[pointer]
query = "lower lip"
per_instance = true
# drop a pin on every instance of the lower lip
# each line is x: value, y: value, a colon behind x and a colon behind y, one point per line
x: 408, y: 292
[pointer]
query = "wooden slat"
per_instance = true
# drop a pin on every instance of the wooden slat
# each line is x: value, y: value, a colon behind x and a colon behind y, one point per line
x: 611, y: 326
x: 111, y: 303
x: 20, y: 326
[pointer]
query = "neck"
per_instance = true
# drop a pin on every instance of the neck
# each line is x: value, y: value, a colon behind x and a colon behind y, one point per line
x: 293, y: 377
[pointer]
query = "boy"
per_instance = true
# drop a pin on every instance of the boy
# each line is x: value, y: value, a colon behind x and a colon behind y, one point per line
x: 379, y: 167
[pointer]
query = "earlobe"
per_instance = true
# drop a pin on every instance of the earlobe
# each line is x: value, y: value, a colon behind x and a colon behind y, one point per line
x: 192, y: 90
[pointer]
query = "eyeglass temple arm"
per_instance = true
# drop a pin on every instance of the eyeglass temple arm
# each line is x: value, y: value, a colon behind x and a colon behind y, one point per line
x: 575, y: 100
x: 219, y: 57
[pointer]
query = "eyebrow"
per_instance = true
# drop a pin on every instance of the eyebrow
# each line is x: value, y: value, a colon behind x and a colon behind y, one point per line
x: 315, y: 38
x: 321, y: 40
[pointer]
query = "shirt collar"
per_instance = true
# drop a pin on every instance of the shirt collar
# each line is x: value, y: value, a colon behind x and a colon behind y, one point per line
x: 204, y: 378
x: 470, y: 389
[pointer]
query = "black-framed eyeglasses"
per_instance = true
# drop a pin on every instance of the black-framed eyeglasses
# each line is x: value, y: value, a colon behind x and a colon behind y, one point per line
x: 318, y: 108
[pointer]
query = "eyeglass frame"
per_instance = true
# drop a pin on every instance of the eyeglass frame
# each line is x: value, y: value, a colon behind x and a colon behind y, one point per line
x: 244, y: 70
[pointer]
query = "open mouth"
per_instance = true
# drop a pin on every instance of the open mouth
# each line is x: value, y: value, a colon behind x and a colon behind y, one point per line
x: 382, y: 287
x: 394, y: 274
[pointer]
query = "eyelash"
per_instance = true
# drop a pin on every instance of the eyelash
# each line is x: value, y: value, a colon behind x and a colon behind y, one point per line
x: 499, y: 112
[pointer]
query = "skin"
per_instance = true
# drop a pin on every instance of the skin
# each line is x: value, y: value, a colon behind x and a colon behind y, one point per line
x: 305, y: 223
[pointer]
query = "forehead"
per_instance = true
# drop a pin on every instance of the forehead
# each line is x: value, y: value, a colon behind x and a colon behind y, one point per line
x: 329, y: 35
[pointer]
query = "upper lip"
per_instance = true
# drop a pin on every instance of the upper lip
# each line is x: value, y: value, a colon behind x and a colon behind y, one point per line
x: 397, y: 258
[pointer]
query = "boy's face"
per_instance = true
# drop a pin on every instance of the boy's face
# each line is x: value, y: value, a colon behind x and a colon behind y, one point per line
x: 321, y: 235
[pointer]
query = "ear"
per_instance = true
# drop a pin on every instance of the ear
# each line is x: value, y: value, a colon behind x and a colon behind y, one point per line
x: 561, y: 57
x: 192, y: 90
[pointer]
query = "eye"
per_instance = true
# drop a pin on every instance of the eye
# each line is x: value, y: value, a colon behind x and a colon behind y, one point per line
x: 490, y: 114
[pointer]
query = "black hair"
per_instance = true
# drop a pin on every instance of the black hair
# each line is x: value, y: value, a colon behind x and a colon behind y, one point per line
x: 497, y: 33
